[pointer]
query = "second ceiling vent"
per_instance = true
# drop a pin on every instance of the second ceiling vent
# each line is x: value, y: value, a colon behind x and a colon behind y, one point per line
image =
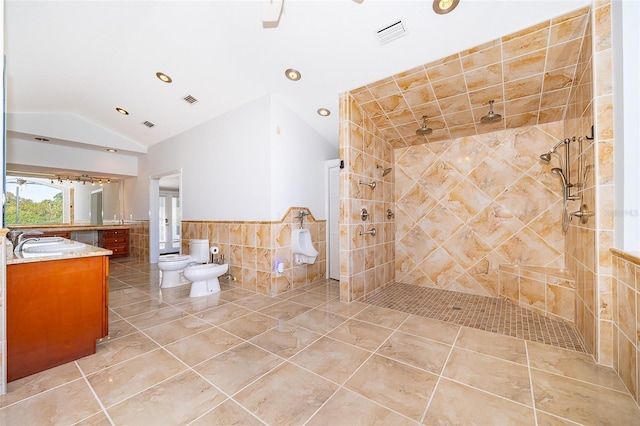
x: 391, y: 32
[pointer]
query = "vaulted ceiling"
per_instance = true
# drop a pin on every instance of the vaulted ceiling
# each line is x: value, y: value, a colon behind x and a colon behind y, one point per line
x: 85, y: 58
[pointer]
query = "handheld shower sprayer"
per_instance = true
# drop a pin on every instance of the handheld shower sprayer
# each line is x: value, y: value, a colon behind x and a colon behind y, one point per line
x: 558, y: 171
x: 566, y: 218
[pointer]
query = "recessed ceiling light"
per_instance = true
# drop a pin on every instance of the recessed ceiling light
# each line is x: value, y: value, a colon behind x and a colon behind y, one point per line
x: 323, y: 112
x: 442, y: 7
x: 293, y: 75
x: 122, y: 111
x: 112, y: 150
x: 163, y: 77
x: 42, y: 139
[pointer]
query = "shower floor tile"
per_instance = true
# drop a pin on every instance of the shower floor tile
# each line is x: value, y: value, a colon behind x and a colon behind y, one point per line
x: 481, y: 312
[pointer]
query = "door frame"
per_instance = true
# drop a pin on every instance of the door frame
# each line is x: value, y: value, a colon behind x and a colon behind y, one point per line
x: 330, y: 164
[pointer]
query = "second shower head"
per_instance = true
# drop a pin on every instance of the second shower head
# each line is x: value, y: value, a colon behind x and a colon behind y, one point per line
x: 491, y: 116
x: 384, y: 171
x: 424, y: 130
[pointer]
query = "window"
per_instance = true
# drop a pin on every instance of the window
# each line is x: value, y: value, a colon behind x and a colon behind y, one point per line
x: 32, y: 201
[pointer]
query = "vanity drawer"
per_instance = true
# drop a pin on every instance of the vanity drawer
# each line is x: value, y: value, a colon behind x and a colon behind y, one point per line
x: 116, y: 240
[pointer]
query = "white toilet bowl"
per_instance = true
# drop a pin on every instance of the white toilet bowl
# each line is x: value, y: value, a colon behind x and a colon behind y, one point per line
x: 172, y: 266
x: 204, y: 278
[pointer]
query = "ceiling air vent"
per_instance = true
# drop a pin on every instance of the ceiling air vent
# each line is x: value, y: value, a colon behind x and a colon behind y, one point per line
x: 148, y: 124
x: 390, y: 32
x: 190, y: 99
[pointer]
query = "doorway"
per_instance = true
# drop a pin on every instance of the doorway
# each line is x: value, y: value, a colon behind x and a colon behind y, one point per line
x: 165, y: 208
x: 169, y: 221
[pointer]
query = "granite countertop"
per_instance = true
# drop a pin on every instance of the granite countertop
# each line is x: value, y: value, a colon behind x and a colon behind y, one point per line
x: 68, y: 227
x: 79, y: 250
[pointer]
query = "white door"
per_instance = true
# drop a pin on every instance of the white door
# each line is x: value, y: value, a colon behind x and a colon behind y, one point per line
x: 333, y: 220
x: 170, y: 222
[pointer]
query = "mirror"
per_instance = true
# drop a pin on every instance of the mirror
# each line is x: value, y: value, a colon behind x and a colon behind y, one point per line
x: 42, y: 200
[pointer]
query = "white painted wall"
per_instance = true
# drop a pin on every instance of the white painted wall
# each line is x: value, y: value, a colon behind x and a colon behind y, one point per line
x: 626, y: 86
x: 69, y: 127
x: 238, y: 167
x: 31, y: 153
x: 297, y: 164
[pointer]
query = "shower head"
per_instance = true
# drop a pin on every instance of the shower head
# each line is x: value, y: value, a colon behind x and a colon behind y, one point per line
x: 424, y: 130
x: 559, y: 172
x: 546, y: 157
x: 384, y: 171
x: 491, y: 117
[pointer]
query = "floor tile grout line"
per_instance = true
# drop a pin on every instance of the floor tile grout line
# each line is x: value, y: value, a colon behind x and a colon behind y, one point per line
x: 39, y: 393
x: 95, y: 395
x: 584, y: 382
x: 341, y: 385
x: 435, y: 387
x: 531, y: 389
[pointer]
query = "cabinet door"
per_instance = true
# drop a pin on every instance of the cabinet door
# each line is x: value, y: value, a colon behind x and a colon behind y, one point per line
x: 55, y: 313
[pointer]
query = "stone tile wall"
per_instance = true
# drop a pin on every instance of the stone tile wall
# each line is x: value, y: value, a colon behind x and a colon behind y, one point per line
x: 252, y: 249
x: 626, y: 319
x: 467, y: 205
x: 547, y: 291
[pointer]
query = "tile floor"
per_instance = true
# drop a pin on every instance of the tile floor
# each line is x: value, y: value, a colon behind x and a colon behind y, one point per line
x: 305, y: 358
x: 485, y: 313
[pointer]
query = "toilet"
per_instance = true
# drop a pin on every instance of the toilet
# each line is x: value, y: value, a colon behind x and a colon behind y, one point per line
x: 203, y: 275
x: 204, y: 278
x: 172, y: 266
x: 302, y: 246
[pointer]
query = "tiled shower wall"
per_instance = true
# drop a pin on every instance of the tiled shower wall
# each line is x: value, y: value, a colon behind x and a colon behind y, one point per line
x: 467, y: 205
x: 252, y: 250
x: 366, y: 261
x: 581, y: 238
x: 588, y: 245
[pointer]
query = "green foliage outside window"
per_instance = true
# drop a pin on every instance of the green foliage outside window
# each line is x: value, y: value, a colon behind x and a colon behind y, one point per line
x: 30, y: 212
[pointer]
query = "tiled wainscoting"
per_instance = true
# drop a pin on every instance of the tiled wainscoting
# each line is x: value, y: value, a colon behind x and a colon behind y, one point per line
x: 626, y: 319
x: 252, y: 250
x: 546, y: 291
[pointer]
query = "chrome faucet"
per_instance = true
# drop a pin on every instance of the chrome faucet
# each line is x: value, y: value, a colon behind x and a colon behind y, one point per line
x: 13, y: 236
x: 22, y: 241
x: 18, y: 238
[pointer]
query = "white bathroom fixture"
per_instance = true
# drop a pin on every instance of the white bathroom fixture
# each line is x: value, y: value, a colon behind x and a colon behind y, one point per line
x: 204, y: 278
x: 302, y: 247
x: 203, y: 275
x: 172, y: 266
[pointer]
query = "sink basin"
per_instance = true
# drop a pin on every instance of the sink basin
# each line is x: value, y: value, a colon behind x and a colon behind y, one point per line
x: 52, y: 247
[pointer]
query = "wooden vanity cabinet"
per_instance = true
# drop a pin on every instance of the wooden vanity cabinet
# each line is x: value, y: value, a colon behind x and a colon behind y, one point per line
x: 56, y: 310
x: 116, y: 240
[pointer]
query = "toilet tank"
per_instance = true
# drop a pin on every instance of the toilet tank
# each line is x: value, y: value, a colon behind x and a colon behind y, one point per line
x: 199, y: 250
